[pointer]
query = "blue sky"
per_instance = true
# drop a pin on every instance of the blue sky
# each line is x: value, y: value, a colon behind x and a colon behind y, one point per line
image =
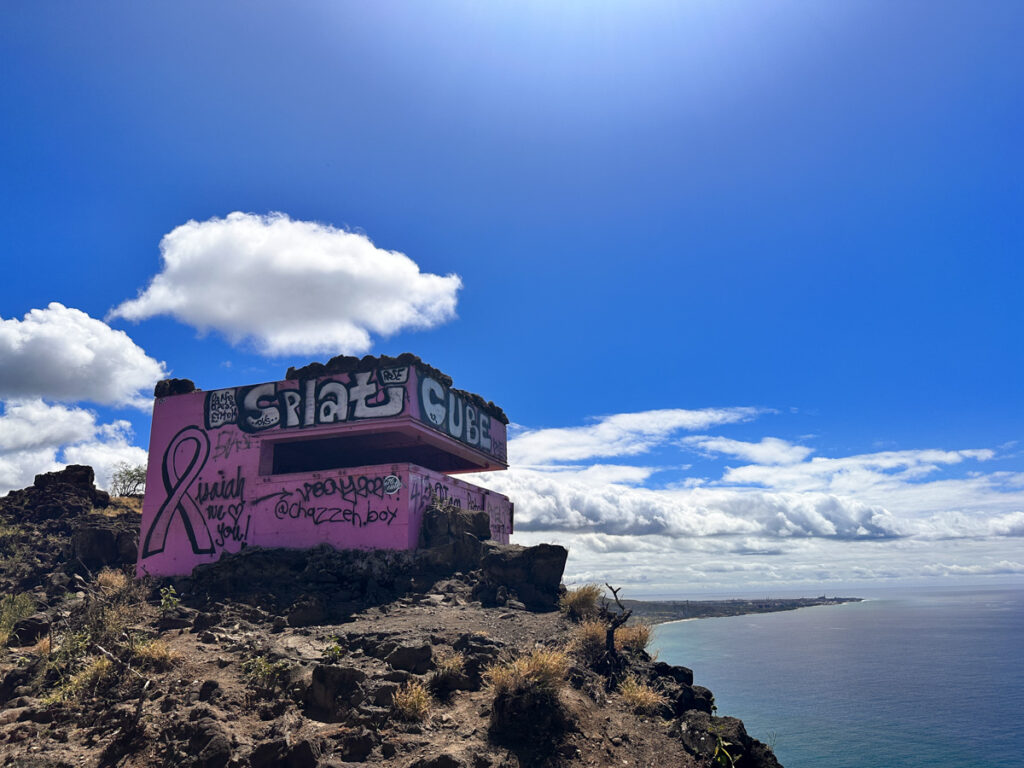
x: 746, y: 276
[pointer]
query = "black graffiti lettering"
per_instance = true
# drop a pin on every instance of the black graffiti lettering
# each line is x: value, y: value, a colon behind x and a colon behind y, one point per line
x: 349, y: 488
x: 222, y: 488
x: 297, y: 510
x: 228, y: 442
x: 232, y: 531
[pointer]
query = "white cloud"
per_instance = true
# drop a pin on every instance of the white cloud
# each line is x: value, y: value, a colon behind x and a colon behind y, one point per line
x: 783, y: 519
x: 623, y: 434
x: 37, y: 437
x: 553, y: 501
x: 771, y: 450
x: 290, y: 286
x: 61, y: 353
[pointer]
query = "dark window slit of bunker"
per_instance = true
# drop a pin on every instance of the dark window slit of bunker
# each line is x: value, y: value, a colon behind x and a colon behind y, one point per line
x: 361, y: 450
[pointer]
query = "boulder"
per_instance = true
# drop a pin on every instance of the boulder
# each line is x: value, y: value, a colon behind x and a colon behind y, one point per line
x: 356, y: 745
x: 411, y: 658
x: 333, y: 689
x: 99, y: 541
x: 30, y: 629
x: 533, y: 573
x: 209, y: 744
x: 699, y: 733
x: 444, y: 760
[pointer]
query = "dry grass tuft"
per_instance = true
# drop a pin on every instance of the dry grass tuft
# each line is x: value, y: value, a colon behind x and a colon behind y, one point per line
x: 587, y: 641
x: 42, y: 648
x: 639, y: 696
x: 633, y: 638
x: 412, y: 702
x: 449, y: 667
x: 157, y: 654
x: 541, y: 670
x: 109, y: 580
x: 581, y: 603
x: 97, y: 671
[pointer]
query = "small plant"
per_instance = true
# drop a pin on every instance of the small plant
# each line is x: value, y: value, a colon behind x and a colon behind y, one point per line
x: 542, y: 670
x: 581, y: 603
x: 265, y: 675
x: 526, y: 699
x: 634, y: 637
x: 639, y: 696
x: 128, y: 480
x: 588, y: 641
x: 156, y: 654
x: 87, y: 681
x: 14, y: 608
x: 449, y: 667
x: 334, y: 652
x: 722, y: 756
x: 109, y: 580
x: 411, y: 702
x: 169, y: 600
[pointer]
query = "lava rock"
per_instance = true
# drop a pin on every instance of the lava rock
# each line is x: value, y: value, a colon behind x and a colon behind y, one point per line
x: 411, y: 658
x: 30, y: 629
x: 533, y: 573
x: 333, y: 689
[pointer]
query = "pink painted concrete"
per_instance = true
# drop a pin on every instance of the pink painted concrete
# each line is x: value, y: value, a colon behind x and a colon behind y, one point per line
x: 210, y: 487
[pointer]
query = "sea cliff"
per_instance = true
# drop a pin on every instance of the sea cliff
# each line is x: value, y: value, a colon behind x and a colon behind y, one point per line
x: 451, y: 656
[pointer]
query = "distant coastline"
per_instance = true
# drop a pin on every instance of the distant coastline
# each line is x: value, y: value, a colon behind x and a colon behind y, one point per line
x: 662, y: 611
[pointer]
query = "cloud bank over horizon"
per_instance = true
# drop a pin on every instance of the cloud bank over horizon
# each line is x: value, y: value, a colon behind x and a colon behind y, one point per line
x: 782, y: 516
x: 285, y: 286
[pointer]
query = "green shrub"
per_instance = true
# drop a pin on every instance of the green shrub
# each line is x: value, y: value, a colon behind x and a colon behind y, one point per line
x: 128, y: 480
x: 264, y: 675
x: 14, y: 608
x: 334, y: 652
x: 169, y: 600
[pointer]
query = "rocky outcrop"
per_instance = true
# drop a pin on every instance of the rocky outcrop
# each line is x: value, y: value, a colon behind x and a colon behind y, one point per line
x: 98, y: 541
x: 534, y: 574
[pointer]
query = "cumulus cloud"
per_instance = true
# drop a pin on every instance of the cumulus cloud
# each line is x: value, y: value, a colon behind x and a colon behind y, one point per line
x: 551, y: 501
x: 38, y: 437
x: 61, y: 353
x: 784, y: 517
x: 622, y: 434
x: 290, y: 286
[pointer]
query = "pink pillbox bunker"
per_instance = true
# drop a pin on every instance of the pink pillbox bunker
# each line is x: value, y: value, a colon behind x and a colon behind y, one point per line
x: 348, y: 454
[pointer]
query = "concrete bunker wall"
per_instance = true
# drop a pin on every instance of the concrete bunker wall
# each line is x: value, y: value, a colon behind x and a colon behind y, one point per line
x: 348, y: 459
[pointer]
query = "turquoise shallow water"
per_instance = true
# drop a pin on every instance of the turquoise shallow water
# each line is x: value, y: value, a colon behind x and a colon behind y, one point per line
x: 926, y: 679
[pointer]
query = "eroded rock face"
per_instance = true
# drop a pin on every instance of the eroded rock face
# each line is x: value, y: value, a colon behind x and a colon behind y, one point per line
x: 533, y: 573
x: 101, y: 541
x: 700, y: 733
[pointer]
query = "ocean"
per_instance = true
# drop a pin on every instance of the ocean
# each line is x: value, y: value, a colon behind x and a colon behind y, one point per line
x: 915, y: 679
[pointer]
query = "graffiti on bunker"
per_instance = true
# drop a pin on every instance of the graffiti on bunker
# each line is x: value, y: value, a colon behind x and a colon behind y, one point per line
x: 214, y: 492
x: 348, y: 397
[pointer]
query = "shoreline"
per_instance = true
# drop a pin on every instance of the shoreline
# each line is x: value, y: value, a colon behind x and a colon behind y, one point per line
x: 670, y: 611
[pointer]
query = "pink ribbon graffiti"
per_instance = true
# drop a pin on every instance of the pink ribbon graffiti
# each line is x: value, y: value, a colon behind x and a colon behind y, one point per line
x: 193, y: 442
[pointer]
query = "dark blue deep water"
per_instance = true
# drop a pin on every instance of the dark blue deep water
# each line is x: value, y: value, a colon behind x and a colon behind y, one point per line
x: 923, y: 679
